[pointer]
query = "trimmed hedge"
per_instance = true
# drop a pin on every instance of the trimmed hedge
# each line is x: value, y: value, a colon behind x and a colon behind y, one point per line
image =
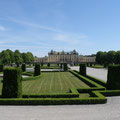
x: 65, y: 67
x: 82, y: 69
x: 103, y: 83
x: 61, y: 65
x: 53, y: 95
x: 113, y: 78
x: 48, y: 64
x: 87, y: 81
x: 23, y: 67
x: 1, y: 68
x: 12, y: 83
x: 37, y: 70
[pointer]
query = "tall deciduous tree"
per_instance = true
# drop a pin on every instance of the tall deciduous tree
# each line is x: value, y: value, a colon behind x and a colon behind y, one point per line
x: 18, y: 57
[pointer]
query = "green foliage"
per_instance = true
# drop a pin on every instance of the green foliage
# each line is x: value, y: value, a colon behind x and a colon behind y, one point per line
x: 65, y: 67
x: 117, y: 57
x: 113, y: 78
x: 41, y: 64
x: 5, y: 57
x: 48, y: 64
x: 82, y: 69
x: 37, y: 70
x: 61, y: 65
x: 52, y: 95
x: 96, y: 80
x: 23, y: 67
x: 18, y: 58
x: 1, y: 68
x: 89, y: 82
x: 12, y: 83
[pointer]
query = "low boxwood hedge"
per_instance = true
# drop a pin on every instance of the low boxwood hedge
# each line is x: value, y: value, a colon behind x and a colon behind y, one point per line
x: 87, y: 81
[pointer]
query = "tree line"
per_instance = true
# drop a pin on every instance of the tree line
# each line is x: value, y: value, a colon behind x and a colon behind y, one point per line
x: 8, y: 57
x: 110, y: 57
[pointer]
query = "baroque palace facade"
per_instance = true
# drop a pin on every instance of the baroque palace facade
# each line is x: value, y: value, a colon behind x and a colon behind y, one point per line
x: 65, y: 57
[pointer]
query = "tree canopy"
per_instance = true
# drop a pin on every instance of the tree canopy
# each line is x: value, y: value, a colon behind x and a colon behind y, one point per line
x: 8, y: 57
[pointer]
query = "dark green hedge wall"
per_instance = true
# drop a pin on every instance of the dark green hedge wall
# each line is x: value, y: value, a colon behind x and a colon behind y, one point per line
x: 65, y: 67
x: 23, y: 67
x: 12, y: 83
x: 113, y: 78
x: 82, y: 69
x: 1, y: 68
x: 37, y: 70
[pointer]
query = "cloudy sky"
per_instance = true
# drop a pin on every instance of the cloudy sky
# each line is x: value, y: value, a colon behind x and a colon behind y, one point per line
x: 41, y: 25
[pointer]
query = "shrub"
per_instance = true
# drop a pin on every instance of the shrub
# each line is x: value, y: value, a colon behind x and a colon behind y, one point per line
x: 65, y: 67
x: 88, y: 65
x: 12, y: 83
x: 82, y: 69
x: 91, y: 64
x: 1, y: 68
x: 37, y: 70
x: 41, y: 64
x: 113, y: 78
x: 23, y: 67
x: 61, y: 65
x: 48, y: 64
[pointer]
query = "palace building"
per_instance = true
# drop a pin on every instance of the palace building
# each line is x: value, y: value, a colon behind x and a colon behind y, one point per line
x: 65, y: 57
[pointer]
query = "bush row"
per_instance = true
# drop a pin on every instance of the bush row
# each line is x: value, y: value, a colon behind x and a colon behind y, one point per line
x: 87, y: 81
x: 53, y: 101
x: 1, y: 68
x: 59, y: 95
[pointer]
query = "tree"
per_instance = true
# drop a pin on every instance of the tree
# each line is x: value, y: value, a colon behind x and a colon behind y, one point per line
x: 30, y: 56
x: 101, y: 57
x: 11, y: 53
x: 18, y: 58
x: 5, y: 57
x: 117, y: 57
x: 25, y: 58
x: 111, y: 56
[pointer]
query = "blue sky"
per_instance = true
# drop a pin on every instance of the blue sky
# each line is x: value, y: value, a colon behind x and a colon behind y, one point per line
x: 38, y: 26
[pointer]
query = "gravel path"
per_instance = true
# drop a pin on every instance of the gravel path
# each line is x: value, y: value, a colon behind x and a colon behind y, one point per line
x: 109, y: 111
x: 98, y: 73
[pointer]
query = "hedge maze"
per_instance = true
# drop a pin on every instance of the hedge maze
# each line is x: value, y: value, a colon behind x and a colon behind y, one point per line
x: 60, y: 88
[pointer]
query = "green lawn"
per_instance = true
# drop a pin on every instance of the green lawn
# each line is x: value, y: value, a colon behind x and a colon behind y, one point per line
x: 52, y: 82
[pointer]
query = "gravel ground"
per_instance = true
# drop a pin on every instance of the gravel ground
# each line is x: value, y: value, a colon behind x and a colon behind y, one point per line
x: 98, y: 73
x: 108, y: 111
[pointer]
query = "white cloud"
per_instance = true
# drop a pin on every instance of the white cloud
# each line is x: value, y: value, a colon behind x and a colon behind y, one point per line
x: 72, y: 38
x: 2, y: 28
x: 26, y: 23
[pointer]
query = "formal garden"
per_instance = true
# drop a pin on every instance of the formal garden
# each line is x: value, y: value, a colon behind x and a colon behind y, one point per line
x: 56, y: 87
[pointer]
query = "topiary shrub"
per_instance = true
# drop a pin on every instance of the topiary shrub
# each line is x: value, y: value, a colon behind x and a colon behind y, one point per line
x: 91, y: 64
x: 82, y: 69
x: 1, y: 68
x: 41, y: 64
x: 37, y: 70
x: 61, y: 65
x: 88, y: 65
x: 12, y: 83
x: 48, y: 64
x: 65, y: 67
x: 113, y: 78
x: 23, y: 67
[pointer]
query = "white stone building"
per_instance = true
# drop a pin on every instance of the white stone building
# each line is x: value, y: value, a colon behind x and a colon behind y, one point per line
x: 65, y: 57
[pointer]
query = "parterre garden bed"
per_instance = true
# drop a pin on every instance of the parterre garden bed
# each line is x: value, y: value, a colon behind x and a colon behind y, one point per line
x: 53, y: 88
